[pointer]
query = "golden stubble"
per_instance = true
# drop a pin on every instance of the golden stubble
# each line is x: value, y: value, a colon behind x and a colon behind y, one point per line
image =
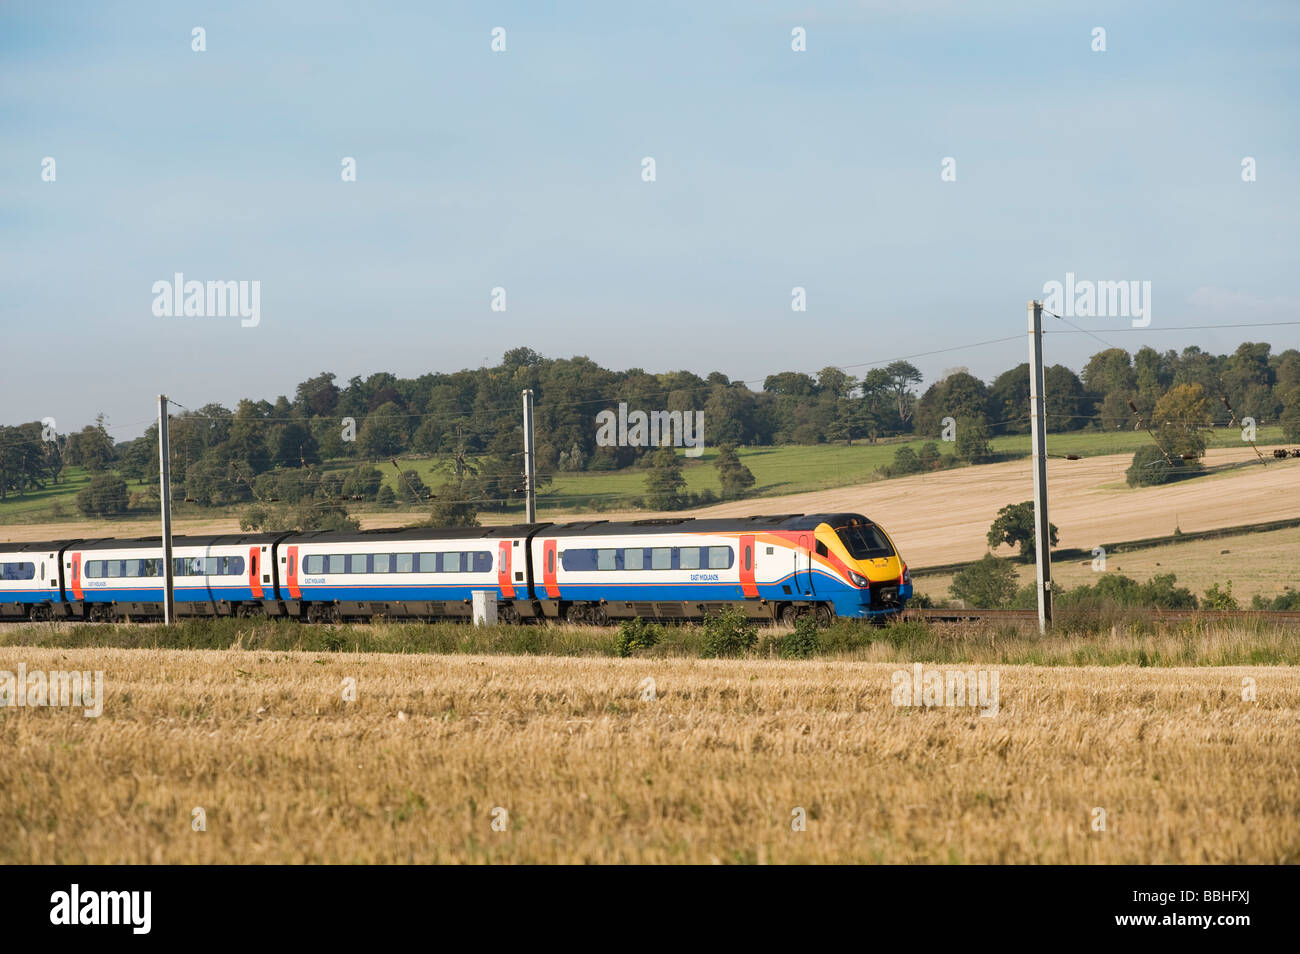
x: 711, y: 770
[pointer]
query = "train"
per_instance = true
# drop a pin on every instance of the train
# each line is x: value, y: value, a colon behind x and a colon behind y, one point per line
x: 775, y: 568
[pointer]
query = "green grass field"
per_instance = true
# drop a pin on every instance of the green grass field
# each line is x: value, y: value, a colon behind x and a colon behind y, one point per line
x: 786, y: 469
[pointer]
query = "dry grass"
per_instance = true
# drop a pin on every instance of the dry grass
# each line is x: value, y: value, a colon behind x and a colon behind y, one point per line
x: 1256, y: 563
x: 709, y: 771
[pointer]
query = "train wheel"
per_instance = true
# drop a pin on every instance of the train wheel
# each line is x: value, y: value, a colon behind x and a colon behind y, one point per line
x: 824, y: 615
x: 789, y: 614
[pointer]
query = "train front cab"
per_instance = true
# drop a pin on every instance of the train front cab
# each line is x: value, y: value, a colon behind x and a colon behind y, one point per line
x: 862, y: 574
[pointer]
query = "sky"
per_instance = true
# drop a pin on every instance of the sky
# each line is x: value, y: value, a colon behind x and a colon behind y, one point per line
x: 523, y: 169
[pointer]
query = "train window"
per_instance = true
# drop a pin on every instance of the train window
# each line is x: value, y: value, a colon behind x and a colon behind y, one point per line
x: 634, y: 559
x: 114, y: 567
x: 749, y: 558
x: 382, y: 563
x: 427, y: 562
x: 821, y: 549
x: 405, y: 562
x: 452, y: 562
x: 482, y: 561
x: 234, y: 566
x: 359, y: 563
x: 18, y: 571
x: 865, y: 542
x: 313, y: 563
x: 661, y: 558
x: 720, y: 557
x: 550, y: 561
x: 577, y: 560
x: 690, y: 558
x: 606, y: 559
x: 94, y: 569
x: 336, y: 563
x: 42, y: 569
x: 212, y: 566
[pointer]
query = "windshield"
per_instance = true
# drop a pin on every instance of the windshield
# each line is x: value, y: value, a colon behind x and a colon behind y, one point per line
x: 865, y: 542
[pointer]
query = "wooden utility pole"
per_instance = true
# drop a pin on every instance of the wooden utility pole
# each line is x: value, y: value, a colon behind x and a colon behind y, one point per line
x: 1038, y: 419
x: 530, y: 462
x: 165, y: 494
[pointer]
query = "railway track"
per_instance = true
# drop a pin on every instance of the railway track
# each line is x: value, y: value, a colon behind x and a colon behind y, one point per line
x: 1007, y: 615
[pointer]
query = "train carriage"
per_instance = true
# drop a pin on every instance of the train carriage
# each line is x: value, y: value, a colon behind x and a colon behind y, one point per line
x: 231, y: 575
x: 29, y: 580
x: 408, y: 573
x: 769, y: 567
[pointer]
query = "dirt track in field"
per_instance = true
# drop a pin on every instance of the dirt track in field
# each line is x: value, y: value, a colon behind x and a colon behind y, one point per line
x: 943, y: 517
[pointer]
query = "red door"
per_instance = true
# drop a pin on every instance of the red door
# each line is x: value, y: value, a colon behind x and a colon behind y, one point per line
x: 549, y: 559
x: 76, y: 577
x: 291, y: 574
x: 747, y: 558
x: 503, y: 570
x: 254, y: 574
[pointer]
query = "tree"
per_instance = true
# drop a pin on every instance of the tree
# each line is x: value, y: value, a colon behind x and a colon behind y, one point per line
x: 318, y: 395
x: 453, y: 505
x: 383, y: 433
x: 1291, y: 415
x: 363, y: 481
x: 411, y: 488
x: 105, y: 496
x: 1015, y: 526
x: 665, y: 484
x: 902, y: 376
x: 1179, y: 417
x: 989, y: 583
x: 959, y: 395
x: 1008, y: 401
x: 973, y: 440
x: 734, y: 476
x: 92, y: 448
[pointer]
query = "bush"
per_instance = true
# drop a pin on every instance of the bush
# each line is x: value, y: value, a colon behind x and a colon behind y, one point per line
x: 105, y: 496
x: 635, y: 635
x: 729, y: 633
x: 386, y: 498
x: 988, y: 584
x: 1219, y: 599
x: 905, y: 462
x: 1117, y: 590
x: 1150, y: 468
x: 803, y: 642
x: 1288, y: 600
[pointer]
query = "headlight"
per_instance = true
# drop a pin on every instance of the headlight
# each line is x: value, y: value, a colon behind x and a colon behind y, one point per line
x: 858, y: 579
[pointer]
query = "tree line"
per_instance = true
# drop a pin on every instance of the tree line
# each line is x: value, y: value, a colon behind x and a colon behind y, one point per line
x: 472, y: 419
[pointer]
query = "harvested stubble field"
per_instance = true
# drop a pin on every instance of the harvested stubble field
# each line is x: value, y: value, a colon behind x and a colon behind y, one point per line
x: 710, y: 770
